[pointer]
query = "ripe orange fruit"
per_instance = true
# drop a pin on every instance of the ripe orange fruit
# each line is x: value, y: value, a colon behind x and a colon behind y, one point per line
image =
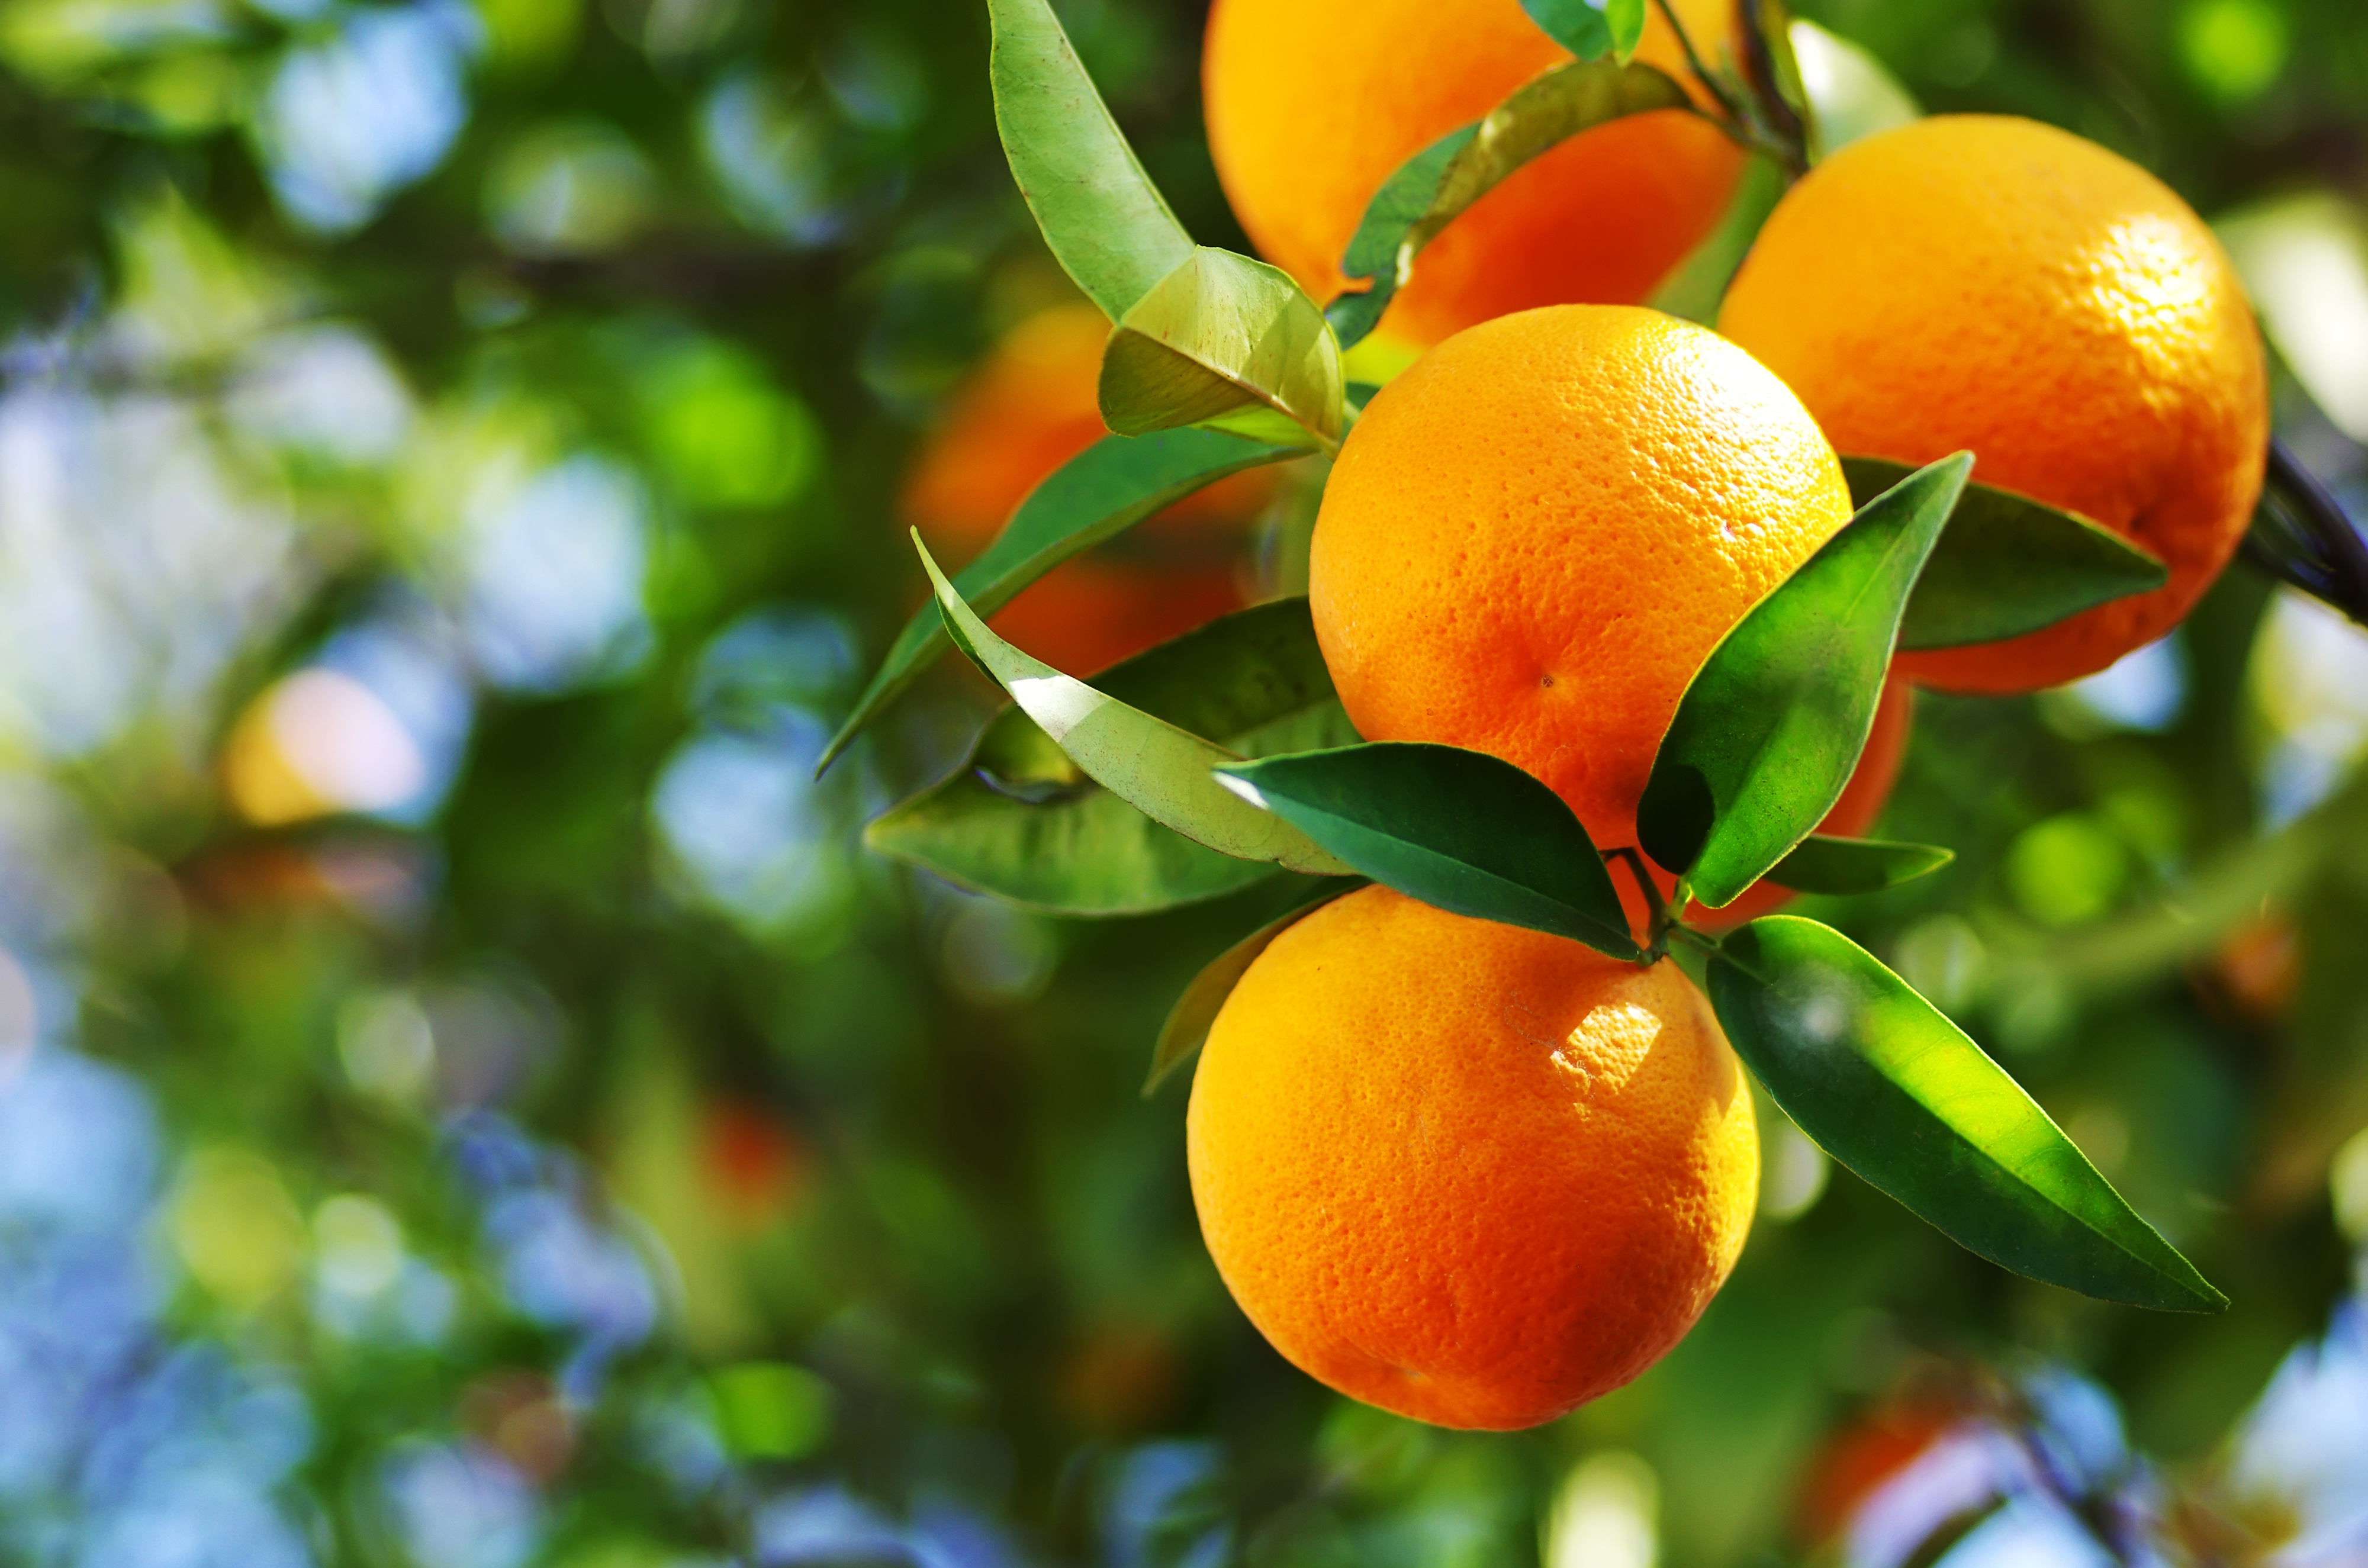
x: 1985, y: 282
x: 1026, y: 410
x: 1469, y: 1173
x: 1311, y: 104
x: 1534, y: 537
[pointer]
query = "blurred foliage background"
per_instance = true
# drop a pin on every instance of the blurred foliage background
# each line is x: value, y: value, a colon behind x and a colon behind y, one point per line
x: 466, y: 1097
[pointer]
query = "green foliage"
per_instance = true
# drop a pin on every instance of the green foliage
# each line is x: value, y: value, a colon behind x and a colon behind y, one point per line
x: 1890, y: 1087
x: 1823, y: 864
x: 1463, y: 830
x: 1591, y: 31
x: 1230, y: 343
x: 1021, y: 820
x: 1164, y: 772
x: 1104, y: 490
x: 1103, y: 218
x: 1772, y: 724
x: 2007, y: 565
x: 1425, y: 194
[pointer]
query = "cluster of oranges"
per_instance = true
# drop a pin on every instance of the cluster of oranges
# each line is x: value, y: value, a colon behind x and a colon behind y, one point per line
x: 1479, y: 1174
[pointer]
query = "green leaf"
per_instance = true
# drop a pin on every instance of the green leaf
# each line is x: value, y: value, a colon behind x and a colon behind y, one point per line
x: 1023, y: 822
x: 1426, y: 192
x: 1627, y: 19
x: 1577, y: 26
x: 1823, y: 864
x: 2007, y: 565
x: 1773, y: 722
x: 1167, y: 773
x: 1890, y: 1087
x: 1462, y: 830
x: 1106, y: 223
x: 1104, y: 490
x: 1228, y: 343
x: 1196, y: 1011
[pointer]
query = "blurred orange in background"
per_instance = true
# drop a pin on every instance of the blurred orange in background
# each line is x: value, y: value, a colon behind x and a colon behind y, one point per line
x: 1029, y: 408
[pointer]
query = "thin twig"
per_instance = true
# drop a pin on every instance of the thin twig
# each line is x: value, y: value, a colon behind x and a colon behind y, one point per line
x: 1694, y: 64
x: 2298, y: 514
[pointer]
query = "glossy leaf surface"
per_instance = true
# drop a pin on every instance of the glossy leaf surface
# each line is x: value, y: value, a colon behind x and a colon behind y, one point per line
x: 1228, y: 343
x: 1195, y: 1012
x: 1167, y: 773
x: 1591, y: 31
x: 1886, y: 1084
x: 1100, y: 493
x: 2007, y: 565
x: 1105, y: 221
x: 1771, y: 725
x: 1461, y: 830
x: 1823, y: 864
x: 1021, y: 820
x: 1426, y: 192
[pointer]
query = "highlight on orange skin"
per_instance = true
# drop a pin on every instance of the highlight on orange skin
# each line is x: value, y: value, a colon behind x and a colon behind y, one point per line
x: 1312, y: 104
x: 1029, y: 408
x: 1983, y: 282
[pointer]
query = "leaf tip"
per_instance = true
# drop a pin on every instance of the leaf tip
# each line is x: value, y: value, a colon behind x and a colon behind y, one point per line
x: 1236, y: 784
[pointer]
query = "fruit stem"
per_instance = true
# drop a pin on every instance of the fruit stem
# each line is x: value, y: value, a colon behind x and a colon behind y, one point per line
x: 1746, y: 128
x: 1659, y: 922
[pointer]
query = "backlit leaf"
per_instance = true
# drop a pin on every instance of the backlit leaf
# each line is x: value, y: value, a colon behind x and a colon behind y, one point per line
x: 2007, y: 565
x: 1577, y: 26
x: 1888, y: 1085
x: 1772, y: 723
x: 1167, y: 773
x: 1105, y: 221
x: 1426, y: 192
x: 1104, y: 491
x: 1022, y: 822
x: 1190, y: 1020
x: 1462, y: 830
x: 1823, y: 864
x: 1229, y: 343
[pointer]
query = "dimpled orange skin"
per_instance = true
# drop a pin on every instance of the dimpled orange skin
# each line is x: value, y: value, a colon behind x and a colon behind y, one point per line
x: 1985, y: 282
x: 1029, y: 408
x: 1534, y: 537
x: 1465, y: 1171
x: 1311, y: 105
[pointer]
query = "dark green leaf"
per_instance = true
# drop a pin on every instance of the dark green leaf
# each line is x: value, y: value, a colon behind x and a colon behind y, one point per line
x: 1576, y: 24
x: 1106, y: 221
x: 1104, y: 490
x: 1772, y: 723
x: 1229, y: 343
x: 1021, y: 821
x: 1167, y: 773
x: 1891, y: 1088
x: 1820, y: 864
x: 2007, y: 565
x: 1462, y: 830
x: 1196, y: 1011
x: 1426, y: 192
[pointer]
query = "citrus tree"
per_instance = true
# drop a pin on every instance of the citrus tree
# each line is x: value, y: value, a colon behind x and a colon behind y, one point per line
x: 1599, y: 618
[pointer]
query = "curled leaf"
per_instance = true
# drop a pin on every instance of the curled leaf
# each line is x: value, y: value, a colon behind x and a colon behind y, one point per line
x: 1227, y: 343
x: 1023, y: 822
x: 1164, y: 772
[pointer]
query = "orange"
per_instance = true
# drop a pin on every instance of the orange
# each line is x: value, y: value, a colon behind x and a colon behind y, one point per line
x: 1311, y: 104
x: 1983, y: 282
x: 1026, y: 410
x: 1472, y: 1174
x: 1534, y: 537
